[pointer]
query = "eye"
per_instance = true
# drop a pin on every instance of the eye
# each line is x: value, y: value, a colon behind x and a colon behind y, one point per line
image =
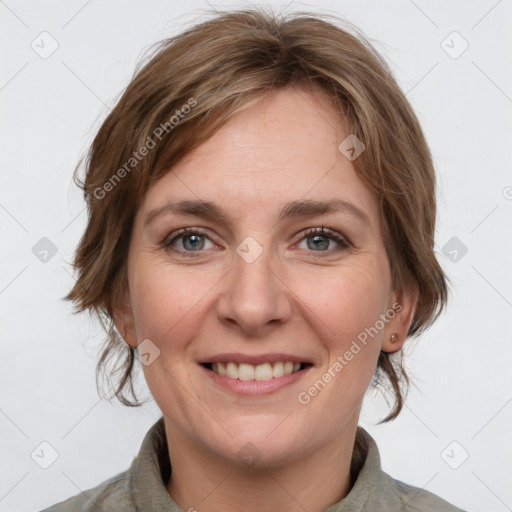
x: 319, y: 240
x: 192, y: 240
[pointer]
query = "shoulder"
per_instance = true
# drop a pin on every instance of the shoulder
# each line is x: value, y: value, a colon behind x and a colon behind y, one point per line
x: 374, y: 489
x: 111, y: 495
x: 415, y: 499
x: 140, y: 487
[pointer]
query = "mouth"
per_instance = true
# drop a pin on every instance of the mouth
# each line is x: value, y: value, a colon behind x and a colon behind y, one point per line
x: 255, y: 372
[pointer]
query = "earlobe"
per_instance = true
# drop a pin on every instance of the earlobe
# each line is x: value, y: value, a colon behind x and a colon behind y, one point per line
x: 398, y: 328
x: 393, y: 343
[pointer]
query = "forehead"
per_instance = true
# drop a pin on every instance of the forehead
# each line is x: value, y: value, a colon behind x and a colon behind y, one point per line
x: 281, y: 149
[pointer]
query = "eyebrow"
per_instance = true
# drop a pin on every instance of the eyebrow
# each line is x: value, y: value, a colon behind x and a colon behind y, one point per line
x: 299, y: 208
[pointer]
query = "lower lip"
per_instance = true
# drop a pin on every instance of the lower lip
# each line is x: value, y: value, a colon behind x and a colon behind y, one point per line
x: 255, y: 387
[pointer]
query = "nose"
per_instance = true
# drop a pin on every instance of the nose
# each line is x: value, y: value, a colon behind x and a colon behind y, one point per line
x: 255, y: 299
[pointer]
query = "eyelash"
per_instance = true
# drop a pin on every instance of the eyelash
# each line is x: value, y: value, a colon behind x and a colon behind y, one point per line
x: 168, y: 242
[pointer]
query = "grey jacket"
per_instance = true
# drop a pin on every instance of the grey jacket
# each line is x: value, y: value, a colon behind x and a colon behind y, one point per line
x: 142, y: 487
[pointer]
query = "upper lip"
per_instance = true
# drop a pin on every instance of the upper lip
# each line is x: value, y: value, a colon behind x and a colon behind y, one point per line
x: 254, y: 359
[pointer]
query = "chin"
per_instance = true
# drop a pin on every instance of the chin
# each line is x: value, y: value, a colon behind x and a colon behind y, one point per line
x: 257, y: 445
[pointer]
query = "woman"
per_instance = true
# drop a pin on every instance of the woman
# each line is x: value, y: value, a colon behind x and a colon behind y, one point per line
x: 260, y: 236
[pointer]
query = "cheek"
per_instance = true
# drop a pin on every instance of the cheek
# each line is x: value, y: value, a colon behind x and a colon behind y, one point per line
x: 346, y: 300
x: 167, y: 300
x: 343, y: 308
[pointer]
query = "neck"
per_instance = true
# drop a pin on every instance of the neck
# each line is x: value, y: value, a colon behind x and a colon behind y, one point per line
x: 312, y: 483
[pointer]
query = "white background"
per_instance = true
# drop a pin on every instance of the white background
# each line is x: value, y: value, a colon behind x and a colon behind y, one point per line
x: 51, y: 108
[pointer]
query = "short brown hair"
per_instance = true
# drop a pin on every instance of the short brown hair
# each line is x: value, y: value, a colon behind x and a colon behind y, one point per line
x: 225, y: 64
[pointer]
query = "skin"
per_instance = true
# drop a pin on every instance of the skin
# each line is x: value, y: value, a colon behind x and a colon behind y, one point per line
x: 294, y: 298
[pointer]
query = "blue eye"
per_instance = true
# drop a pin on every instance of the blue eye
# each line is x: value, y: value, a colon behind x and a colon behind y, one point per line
x: 320, y: 238
x: 193, y: 241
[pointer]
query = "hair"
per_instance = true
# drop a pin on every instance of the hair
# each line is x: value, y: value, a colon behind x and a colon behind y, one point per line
x: 192, y: 84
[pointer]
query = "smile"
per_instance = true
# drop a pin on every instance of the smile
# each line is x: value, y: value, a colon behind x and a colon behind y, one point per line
x: 255, y: 374
x: 260, y: 372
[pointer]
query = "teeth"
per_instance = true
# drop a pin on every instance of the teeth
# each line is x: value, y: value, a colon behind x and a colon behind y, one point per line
x: 278, y: 369
x: 232, y: 370
x: 265, y: 371
x: 220, y: 368
x: 245, y: 371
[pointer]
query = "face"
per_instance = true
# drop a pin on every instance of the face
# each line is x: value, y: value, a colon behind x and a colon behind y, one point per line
x: 258, y: 282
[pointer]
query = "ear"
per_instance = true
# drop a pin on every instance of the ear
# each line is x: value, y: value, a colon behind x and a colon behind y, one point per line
x: 124, y: 321
x: 403, y: 304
